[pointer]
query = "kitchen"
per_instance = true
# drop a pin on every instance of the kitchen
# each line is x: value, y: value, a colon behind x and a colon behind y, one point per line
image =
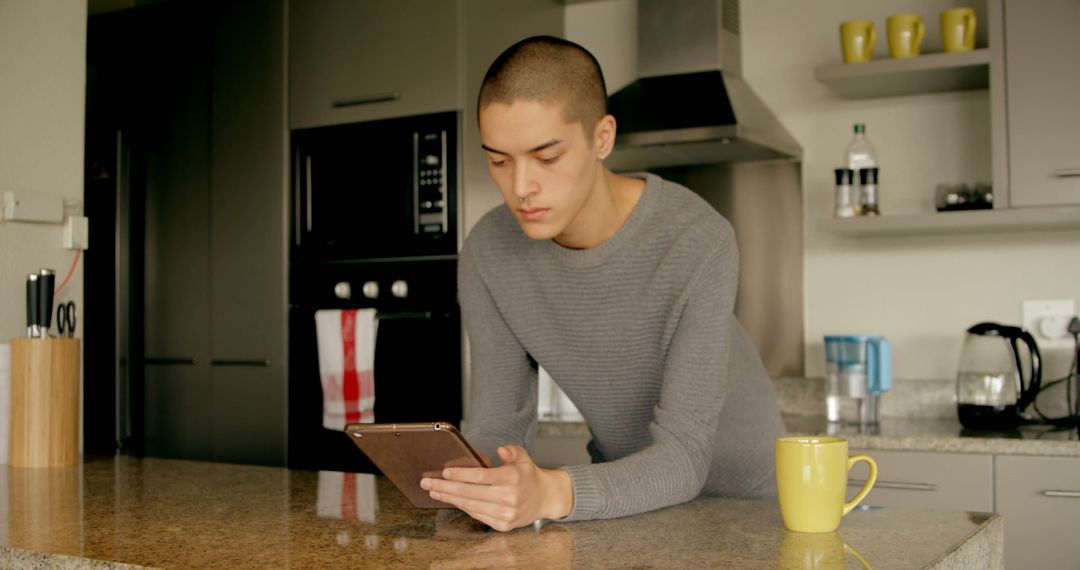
x: 849, y: 284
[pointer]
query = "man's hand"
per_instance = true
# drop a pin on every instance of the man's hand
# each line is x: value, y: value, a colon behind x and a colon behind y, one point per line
x: 507, y: 497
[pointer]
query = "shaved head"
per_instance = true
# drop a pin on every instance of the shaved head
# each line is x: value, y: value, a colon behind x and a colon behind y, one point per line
x: 548, y: 70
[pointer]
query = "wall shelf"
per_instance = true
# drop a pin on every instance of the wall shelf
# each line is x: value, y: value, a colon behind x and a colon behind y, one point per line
x: 971, y: 221
x: 928, y: 73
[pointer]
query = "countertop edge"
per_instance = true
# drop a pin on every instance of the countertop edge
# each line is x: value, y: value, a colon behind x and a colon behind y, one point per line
x: 983, y: 548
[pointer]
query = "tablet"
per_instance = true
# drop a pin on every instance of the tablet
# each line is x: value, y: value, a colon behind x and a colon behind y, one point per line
x: 408, y: 452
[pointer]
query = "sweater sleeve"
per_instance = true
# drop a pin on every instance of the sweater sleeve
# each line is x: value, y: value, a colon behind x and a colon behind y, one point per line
x: 674, y: 467
x: 503, y: 385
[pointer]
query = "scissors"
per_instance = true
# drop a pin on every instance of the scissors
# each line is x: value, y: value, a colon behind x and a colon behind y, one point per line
x: 65, y: 319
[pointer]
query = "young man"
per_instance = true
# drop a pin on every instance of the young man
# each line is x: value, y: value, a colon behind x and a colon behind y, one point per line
x: 623, y: 289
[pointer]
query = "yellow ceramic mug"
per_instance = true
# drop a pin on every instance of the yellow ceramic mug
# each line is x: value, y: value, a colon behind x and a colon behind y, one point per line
x: 811, y: 480
x: 958, y: 29
x: 906, y: 33
x: 857, y: 40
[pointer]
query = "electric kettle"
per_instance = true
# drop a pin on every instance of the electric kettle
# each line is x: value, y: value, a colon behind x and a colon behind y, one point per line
x: 991, y: 392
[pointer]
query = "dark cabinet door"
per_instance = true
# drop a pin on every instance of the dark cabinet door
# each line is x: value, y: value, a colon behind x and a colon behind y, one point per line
x: 247, y: 235
x: 177, y: 246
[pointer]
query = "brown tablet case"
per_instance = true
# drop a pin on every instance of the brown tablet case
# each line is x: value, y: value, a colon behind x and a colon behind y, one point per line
x: 408, y: 452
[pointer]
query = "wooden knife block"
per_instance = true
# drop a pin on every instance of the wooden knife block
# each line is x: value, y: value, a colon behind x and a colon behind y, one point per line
x: 44, y: 402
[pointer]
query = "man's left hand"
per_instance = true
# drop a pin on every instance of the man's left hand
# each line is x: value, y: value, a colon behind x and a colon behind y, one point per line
x: 510, y: 496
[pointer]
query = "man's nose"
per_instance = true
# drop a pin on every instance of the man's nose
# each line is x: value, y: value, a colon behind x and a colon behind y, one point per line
x: 523, y: 181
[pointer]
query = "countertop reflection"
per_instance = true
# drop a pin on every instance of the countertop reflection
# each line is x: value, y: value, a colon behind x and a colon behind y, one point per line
x: 187, y: 514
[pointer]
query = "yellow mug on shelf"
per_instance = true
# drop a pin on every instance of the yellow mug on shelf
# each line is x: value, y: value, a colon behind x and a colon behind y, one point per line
x: 906, y: 33
x: 958, y: 29
x: 811, y: 481
x: 857, y: 40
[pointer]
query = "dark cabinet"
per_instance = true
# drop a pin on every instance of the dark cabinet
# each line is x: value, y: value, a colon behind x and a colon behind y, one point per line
x: 215, y: 247
x: 359, y: 61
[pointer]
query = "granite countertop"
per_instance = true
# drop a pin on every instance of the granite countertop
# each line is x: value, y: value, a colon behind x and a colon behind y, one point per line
x: 943, y: 435
x: 186, y: 514
x: 919, y: 415
x: 916, y: 416
x: 906, y: 434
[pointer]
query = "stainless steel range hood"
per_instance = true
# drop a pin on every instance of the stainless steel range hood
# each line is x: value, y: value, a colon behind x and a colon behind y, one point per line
x: 690, y: 104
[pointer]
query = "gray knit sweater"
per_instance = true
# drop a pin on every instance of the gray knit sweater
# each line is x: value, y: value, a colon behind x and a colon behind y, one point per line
x: 640, y: 333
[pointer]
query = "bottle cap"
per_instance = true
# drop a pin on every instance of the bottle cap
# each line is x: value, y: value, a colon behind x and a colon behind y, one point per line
x: 844, y: 176
x: 868, y: 176
x: 860, y: 128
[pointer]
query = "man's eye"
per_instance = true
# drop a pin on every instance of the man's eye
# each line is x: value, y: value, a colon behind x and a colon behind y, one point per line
x: 550, y: 159
x: 496, y: 162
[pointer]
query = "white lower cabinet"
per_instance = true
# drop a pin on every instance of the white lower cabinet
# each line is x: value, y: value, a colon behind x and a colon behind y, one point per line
x: 1040, y: 500
x: 944, y: 481
x: 1039, y: 497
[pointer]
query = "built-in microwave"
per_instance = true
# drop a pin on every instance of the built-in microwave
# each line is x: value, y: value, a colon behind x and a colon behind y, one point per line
x: 377, y: 189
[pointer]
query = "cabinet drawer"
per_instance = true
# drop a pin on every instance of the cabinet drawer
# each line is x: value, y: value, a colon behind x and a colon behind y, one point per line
x: 1040, y: 500
x: 944, y: 481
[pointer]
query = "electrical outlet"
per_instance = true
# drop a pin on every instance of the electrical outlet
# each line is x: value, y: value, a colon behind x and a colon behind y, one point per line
x: 76, y: 232
x: 1048, y: 322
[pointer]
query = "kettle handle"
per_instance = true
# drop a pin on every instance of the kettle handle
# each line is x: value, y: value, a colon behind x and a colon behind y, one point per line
x: 1027, y: 395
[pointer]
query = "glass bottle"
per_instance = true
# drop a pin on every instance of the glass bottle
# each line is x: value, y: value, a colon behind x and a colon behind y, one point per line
x: 860, y: 154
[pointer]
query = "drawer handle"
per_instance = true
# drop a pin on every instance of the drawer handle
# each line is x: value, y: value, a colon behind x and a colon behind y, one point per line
x: 234, y: 362
x: 896, y: 485
x: 367, y: 99
x: 1073, y: 494
x: 1065, y: 172
x: 184, y: 361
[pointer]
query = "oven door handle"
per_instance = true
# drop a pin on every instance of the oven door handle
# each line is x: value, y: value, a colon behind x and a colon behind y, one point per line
x: 296, y: 197
x: 404, y: 315
x: 307, y: 186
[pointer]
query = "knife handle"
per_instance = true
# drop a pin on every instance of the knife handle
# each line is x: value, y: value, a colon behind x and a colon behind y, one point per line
x: 45, y: 300
x: 32, y: 320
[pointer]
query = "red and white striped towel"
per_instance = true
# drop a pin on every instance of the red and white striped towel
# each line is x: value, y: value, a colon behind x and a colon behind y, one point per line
x: 346, y: 341
x: 346, y: 496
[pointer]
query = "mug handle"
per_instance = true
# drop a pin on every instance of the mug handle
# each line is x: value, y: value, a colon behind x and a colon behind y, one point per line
x: 871, y: 38
x: 920, y: 32
x: 969, y: 30
x: 866, y: 486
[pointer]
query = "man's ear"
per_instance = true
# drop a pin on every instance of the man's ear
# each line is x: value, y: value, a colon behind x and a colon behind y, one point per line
x: 604, y: 136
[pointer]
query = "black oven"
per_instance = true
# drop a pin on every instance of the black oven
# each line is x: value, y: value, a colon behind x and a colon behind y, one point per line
x: 375, y: 225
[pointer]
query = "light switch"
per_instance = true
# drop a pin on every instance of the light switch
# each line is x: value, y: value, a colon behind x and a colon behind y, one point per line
x: 21, y: 206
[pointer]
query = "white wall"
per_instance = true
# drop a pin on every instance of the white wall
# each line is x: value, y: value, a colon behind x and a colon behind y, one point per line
x: 920, y: 291
x: 42, y: 107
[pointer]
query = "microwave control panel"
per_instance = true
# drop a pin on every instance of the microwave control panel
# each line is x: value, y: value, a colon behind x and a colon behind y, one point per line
x: 430, y: 214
